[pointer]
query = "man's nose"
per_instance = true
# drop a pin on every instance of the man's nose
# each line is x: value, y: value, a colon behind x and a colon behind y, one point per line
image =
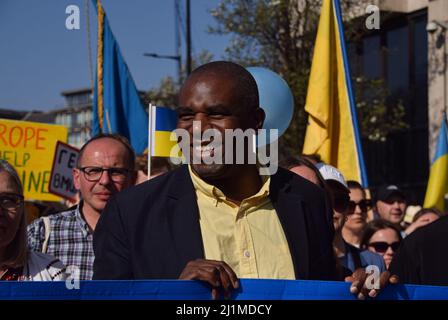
x: 201, y: 122
x: 105, y: 178
x: 396, y: 204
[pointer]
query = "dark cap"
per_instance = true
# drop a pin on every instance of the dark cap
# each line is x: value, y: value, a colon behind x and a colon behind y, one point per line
x: 385, y: 192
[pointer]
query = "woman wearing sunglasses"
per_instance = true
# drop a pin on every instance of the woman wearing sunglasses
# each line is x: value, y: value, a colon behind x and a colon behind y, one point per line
x: 382, y: 237
x: 357, y: 209
x: 350, y: 258
x: 17, y: 263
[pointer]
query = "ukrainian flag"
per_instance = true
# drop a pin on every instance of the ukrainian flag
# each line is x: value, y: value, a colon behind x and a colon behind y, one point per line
x: 438, y: 176
x: 332, y: 130
x: 117, y: 107
x: 163, y: 122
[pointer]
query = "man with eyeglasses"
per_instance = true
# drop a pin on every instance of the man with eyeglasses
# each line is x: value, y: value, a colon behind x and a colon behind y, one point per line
x: 105, y: 166
x: 349, y: 257
x: 356, y: 214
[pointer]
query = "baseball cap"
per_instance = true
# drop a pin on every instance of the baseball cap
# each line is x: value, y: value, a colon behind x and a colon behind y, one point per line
x: 385, y: 192
x: 329, y: 172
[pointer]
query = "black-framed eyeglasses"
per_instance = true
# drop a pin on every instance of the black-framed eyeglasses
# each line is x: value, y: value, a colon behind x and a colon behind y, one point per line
x: 382, y: 246
x: 93, y: 174
x: 364, y: 205
x: 10, y: 201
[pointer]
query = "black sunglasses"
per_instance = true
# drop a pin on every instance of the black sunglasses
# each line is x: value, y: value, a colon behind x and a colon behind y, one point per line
x: 364, y: 205
x: 382, y: 246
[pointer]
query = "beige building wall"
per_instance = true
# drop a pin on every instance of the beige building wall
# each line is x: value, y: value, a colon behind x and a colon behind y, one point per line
x: 404, y: 6
x: 437, y: 70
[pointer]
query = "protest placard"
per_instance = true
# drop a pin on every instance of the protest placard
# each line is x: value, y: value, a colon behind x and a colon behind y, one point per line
x: 64, y: 161
x: 29, y: 147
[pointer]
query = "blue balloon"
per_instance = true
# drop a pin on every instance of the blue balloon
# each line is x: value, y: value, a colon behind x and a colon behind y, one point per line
x: 276, y: 99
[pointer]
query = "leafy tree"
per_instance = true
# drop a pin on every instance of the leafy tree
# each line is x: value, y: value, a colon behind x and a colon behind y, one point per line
x: 280, y: 35
x: 165, y: 94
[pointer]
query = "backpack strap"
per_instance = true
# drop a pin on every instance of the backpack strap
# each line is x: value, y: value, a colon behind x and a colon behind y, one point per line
x: 47, y: 226
x: 356, y: 257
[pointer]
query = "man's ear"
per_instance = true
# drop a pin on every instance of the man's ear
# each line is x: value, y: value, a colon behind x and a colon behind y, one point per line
x: 76, y: 178
x: 260, y: 116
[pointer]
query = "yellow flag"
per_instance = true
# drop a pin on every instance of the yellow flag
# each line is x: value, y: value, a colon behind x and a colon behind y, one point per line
x: 332, y: 130
x: 438, y: 176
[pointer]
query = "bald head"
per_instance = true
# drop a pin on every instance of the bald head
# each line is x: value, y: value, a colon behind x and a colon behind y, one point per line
x: 243, y: 85
x: 105, y: 167
x: 121, y: 141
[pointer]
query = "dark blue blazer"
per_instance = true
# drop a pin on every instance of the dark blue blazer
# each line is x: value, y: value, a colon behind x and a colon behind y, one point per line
x: 151, y: 231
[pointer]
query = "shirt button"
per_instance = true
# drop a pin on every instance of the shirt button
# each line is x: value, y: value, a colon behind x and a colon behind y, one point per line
x: 247, y: 254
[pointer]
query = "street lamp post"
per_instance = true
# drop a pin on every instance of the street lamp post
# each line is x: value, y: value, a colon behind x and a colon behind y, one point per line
x: 188, y: 60
x: 172, y: 57
x: 188, y: 42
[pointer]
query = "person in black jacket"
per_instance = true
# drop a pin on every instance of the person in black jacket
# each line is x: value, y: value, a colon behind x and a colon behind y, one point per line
x: 421, y: 258
x: 169, y: 227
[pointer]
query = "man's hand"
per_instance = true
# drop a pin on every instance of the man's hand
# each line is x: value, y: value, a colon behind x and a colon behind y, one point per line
x: 216, y: 273
x: 359, y: 288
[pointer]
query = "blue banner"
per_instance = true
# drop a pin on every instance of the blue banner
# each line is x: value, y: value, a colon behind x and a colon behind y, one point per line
x: 250, y: 289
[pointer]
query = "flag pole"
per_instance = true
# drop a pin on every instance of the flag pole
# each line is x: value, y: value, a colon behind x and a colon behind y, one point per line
x: 150, y: 138
x: 352, y: 104
x: 100, y: 60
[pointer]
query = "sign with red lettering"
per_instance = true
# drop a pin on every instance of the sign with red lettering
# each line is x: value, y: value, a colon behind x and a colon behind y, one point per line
x: 29, y: 147
x: 61, y: 180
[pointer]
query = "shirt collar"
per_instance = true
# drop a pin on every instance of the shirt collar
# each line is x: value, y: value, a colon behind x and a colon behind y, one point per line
x: 214, y: 192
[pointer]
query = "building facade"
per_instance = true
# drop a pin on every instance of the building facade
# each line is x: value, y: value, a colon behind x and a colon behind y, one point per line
x: 76, y: 116
x: 408, y: 52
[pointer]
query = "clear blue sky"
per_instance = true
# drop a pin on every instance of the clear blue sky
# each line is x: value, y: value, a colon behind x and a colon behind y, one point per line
x: 39, y: 57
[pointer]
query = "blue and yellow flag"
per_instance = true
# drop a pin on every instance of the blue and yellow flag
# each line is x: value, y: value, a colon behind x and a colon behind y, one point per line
x: 117, y: 107
x: 438, y: 176
x: 332, y: 130
x: 163, y: 122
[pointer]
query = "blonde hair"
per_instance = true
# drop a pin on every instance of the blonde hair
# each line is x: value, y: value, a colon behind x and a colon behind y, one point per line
x: 16, y: 252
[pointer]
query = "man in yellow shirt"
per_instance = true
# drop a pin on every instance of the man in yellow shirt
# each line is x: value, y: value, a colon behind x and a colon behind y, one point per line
x: 217, y: 222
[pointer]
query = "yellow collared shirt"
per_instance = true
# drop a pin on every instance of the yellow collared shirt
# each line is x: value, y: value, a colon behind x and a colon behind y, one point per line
x: 248, y: 237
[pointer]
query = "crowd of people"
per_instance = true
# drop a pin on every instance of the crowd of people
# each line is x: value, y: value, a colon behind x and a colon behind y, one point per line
x: 367, y: 231
x: 219, y: 222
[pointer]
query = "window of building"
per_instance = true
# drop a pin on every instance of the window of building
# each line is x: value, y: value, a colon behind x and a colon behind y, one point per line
x: 398, y: 61
x: 397, y: 53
